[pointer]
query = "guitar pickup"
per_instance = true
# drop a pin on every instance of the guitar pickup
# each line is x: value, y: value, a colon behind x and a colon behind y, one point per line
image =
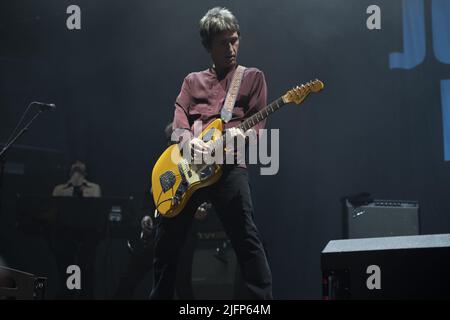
x: 184, y: 171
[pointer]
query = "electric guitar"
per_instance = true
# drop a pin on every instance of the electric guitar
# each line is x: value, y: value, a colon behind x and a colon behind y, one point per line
x: 175, y: 178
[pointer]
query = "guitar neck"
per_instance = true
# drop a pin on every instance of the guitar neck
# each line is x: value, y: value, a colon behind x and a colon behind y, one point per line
x: 254, y: 119
x: 261, y: 115
x: 295, y: 95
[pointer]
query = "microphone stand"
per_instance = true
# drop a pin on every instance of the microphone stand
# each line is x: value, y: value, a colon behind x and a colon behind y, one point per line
x: 5, y: 150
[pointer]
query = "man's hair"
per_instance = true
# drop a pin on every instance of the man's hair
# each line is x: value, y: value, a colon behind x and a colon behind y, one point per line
x: 215, y: 21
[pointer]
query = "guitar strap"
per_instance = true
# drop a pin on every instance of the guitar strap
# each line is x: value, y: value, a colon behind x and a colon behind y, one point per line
x: 227, y: 109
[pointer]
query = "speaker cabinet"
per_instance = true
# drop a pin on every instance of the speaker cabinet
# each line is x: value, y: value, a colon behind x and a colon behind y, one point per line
x: 406, y: 267
x: 214, y: 271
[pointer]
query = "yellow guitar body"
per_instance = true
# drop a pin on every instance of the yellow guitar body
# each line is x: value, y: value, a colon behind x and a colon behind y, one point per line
x: 174, y: 179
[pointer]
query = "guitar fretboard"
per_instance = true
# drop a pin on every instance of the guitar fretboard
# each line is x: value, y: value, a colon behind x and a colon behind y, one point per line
x: 254, y: 119
x: 261, y: 115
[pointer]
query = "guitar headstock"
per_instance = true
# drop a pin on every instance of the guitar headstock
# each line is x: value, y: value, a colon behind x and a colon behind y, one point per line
x: 299, y: 93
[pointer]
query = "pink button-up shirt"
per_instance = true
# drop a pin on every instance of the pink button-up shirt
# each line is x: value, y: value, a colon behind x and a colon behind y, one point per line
x: 203, y: 94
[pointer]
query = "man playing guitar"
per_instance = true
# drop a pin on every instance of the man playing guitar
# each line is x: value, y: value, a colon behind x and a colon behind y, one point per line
x: 201, y: 99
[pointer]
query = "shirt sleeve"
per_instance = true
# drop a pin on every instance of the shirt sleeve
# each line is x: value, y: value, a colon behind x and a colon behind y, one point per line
x: 97, y: 192
x: 258, y: 99
x: 180, y: 125
x: 57, y: 191
x: 180, y: 119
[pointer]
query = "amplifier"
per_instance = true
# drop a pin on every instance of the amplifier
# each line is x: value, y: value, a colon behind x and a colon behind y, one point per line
x: 381, y: 218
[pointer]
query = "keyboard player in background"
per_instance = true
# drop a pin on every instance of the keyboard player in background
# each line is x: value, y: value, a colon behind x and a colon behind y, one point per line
x: 77, y: 186
x: 71, y: 246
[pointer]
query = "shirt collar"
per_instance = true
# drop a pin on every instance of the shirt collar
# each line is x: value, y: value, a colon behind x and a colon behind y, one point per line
x: 212, y: 69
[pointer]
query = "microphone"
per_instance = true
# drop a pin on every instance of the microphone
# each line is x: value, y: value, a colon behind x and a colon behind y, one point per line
x: 45, y: 106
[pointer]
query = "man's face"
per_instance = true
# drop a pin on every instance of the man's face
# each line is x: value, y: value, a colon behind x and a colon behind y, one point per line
x: 224, y: 49
x: 78, y: 168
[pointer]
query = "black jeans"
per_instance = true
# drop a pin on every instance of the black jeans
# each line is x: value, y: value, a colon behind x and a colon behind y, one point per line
x: 232, y: 201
